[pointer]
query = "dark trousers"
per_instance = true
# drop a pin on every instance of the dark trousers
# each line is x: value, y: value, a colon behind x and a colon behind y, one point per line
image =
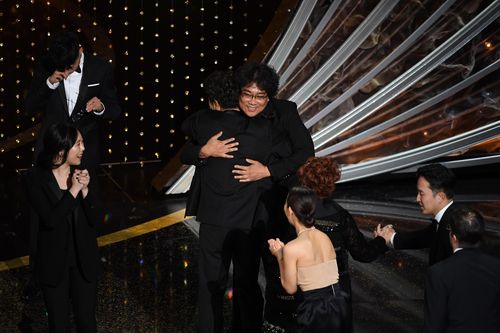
x: 73, y: 289
x: 218, y: 246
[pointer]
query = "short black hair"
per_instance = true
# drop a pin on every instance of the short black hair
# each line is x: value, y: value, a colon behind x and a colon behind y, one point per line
x: 440, y: 178
x: 467, y: 225
x: 264, y: 76
x: 302, y: 201
x: 58, y: 137
x: 63, y: 50
x: 220, y: 86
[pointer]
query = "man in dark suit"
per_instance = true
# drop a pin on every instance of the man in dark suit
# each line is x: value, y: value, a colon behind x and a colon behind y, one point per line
x: 72, y: 85
x: 462, y: 293
x: 435, y: 192
x: 226, y: 207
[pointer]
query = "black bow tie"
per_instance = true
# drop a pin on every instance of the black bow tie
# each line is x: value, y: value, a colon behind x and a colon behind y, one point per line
x: 78, y: 69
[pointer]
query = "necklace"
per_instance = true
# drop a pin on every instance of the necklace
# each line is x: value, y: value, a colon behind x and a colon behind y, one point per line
x: 306, y: 229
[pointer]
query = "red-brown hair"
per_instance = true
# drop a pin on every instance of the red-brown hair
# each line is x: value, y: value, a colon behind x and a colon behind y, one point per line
x: 319, y: 174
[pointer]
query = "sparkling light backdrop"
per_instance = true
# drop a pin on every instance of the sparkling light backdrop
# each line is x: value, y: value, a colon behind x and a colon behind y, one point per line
x: 161, y: 51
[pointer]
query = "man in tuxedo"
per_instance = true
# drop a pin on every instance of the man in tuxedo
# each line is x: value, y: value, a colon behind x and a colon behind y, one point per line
x: 462, y: 293
x: 72, y: 85
x: 435, y: 191
x: 226, y: 207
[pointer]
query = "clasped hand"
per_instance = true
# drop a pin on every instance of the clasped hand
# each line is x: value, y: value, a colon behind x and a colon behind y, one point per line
x: 80, y: 181
x: 386, y: 232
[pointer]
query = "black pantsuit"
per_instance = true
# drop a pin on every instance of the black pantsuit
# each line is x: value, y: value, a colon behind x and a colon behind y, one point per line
x: 67, y: 259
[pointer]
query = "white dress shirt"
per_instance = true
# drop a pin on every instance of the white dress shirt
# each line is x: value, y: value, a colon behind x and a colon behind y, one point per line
x: 71, y: 86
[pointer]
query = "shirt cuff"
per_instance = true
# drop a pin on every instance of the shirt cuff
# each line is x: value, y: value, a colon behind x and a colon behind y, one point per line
x: 52, y: 85
x: 391, y: 241
x: 98, y: 113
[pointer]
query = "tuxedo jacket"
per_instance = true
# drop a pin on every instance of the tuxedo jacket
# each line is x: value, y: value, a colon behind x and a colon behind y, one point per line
x: 294, y: 142
x: 462, y: 294
x: 434, y: 236
x: 223, y: 200
x: 291, y: 141
x: 97, y: 81
x: 59, y: 215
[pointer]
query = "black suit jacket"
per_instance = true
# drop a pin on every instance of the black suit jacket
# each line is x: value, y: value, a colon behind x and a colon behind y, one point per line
x: 462, y: 294
x: 294, y: 141
x: 59, y: 213
x: 291, y: 141
x: 97, y: 81
x: 223, y: 200
x: 433, y: 236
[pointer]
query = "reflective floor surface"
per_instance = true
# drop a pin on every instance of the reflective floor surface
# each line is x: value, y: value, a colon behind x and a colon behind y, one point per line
x: 149, y: 280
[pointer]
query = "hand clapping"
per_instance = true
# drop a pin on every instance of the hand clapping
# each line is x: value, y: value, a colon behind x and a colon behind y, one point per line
x: 276, y: 247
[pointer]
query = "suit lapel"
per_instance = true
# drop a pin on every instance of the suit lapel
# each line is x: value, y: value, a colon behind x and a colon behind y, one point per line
x: 52, y: 186
x: 62, y: 95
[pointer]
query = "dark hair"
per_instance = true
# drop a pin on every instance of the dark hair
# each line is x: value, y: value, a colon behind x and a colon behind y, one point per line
x: 302, y: 201
x: 319, y: 174
x: 58, y: 137
x: 220, y: 86
x: 467, y: 225
x: 62, y: 51
x: 440, y: 178
x: 262, y: 75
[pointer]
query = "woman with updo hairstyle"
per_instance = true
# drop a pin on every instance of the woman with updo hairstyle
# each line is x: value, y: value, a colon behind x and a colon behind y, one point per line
x: 308, y: 264
x: 320, y: 174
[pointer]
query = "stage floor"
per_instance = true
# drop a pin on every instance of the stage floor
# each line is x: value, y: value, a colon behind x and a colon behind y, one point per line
x: 148, y: 253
